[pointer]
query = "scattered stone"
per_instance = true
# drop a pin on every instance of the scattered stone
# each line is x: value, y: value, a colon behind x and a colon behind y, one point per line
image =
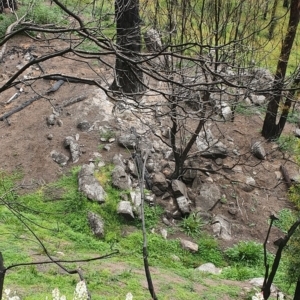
x: 166, y: 221
x: 209, y: 268
x: 226, y: 113
x: 51, y: 120
x: 59, y: 123
x: 249, y: 185
x: 118, y: 160
x: 96, y: 224
x: 189, y: 246
x: 258, y: 99
x: 232, y: 208
x: 175, y: 257
x: 89, y: 185
x: 74, y: 147
x: 50, y: 136
x: 179, y: 188
x: 106, y: 147
x: 125, y: 209
x: 164, y: 233
x: 297, y: 132
x: 59, y: 158
x: 84, y: 125
x: 111, y: 140
x: 120, y: 179
x: 258, y: 150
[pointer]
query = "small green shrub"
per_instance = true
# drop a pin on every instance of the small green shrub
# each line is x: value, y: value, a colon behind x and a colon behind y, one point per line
x: 192, y: 225
x: 286, y: 219
x: 288, y: 143
x: 245, y: 253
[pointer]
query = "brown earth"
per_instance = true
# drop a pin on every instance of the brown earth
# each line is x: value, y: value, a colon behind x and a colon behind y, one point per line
x: 25, y: 147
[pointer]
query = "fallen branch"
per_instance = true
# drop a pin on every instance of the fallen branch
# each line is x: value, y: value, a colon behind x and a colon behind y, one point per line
x: 73, y: 100
x: 72, y: 79
x: 8, y: 31
x: 54, y: 88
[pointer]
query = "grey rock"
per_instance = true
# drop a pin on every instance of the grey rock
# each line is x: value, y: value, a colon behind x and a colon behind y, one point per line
x: 128, y: 141
x: 226, y: 113
x: 189, y: 246
x: 249, y: 185
x: 159, y: 184
x: 179, y: 188
x: 259, y: 281
x: 152, y: 40
x: 89, y: 185
x: 120, y: 179
x: 209, y: 195
x: 205, y: 217
x: 258, y: 99
x: 51, y: 120
x: 183, y: 204
x: 221, y: 227
x: 74, y: 147
x: 136, y: 197
x: 164, y: 233
x: 258, y: 150
x: 297, y: 132
x: 118, y: 160
x: 59, y: 158
x: 96, y: 224
x: 209, y: 268
x: 150, y: 198
x: 125, y: 209
x: 210, y: 147
x: 50, y: 136
x: 59, y: 123
x: 84, y: 125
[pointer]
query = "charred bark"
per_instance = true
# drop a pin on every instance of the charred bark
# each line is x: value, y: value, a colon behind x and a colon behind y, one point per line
x: 128, y: 76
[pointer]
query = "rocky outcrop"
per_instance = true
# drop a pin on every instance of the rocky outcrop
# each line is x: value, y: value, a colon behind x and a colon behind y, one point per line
x: 89, y: 185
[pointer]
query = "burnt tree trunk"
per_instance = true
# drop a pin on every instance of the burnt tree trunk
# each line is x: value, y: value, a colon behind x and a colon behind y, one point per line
x: 128, y: 75
x: 297, y: 291
x: 271, y: 130
x: 11, y: 4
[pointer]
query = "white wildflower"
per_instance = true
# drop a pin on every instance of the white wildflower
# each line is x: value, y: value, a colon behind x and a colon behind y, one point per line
x: 81, y: 292
x: 56, y: 295
x: 258, y: 296
x: 129, y: 296
x: 7, y: 296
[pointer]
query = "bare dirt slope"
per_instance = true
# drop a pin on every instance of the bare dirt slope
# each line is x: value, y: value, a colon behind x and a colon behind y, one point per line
x: 25, y: 143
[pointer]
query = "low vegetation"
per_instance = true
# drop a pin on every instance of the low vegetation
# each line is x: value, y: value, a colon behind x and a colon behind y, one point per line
x: 57, y: 215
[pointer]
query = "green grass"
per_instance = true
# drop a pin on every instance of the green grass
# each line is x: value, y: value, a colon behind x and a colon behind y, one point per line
x: 57, y: 214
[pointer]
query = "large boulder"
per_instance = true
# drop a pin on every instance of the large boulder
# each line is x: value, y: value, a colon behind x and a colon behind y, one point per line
x: 209, y: 146
x: 181, y: 196
x: 120, y: 179
x: 221, y: 227
x: 209, y: 195
x: 159, y: 184
x: 89, y: 185
x: 74, y: 147
x: 125, y: 209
